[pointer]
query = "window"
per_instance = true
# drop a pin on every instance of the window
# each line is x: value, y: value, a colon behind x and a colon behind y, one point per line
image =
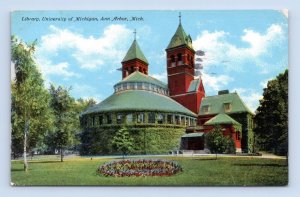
x: 100, y: 119
x: 93, y: 121
x: 131, y: 86
x: 206, y: 108
x: 109, y: 118
x: 139, y: 86
x: 146, y: 85
x: 179, y: 57
x: 172, y: 58
x: 227, y: 107
x: 129, y: 118
x: 140, y: 118
x: 151, y: 118
x: 177, y: 120
x: 160, y: 119
x: 119, y: 119
x: 170, y: 119
x: 124, y: 86
x: 182, y: 119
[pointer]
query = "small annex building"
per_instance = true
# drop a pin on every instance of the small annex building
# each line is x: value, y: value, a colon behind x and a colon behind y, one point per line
x: 230, y: 112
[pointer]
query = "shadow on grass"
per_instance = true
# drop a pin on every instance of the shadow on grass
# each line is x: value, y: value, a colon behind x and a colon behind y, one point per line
x: 17, y: 170
x: 260, y: 165
x: 205, y: 159
x: 45, y: 162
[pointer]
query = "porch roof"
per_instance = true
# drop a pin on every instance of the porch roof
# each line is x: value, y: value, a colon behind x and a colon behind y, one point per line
x: 198, y: 134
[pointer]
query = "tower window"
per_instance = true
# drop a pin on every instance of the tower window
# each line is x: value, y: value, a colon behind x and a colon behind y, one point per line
x: 179, y: 56
x: 172, y: 58
x: 139, y: 86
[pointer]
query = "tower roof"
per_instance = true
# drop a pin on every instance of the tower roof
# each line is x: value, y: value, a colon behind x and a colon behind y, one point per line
x: 180, y: 38
x: 140, y: 77
x: 135, y: 52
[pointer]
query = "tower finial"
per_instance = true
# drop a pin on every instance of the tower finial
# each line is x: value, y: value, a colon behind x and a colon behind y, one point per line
x: 134, y: 34
x: 179, y: 17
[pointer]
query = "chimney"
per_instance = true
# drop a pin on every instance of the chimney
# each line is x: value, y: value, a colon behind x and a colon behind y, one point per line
x: 223, y: 92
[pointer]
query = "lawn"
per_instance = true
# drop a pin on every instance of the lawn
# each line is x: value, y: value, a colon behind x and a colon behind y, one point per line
x: 197, y: 171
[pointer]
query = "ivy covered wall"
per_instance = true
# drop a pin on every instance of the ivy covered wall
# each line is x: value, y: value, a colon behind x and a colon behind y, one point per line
x: 147, y: 140
x: 246, y: 120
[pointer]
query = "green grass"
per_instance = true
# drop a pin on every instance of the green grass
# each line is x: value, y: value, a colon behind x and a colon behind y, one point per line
x: 197, y: 171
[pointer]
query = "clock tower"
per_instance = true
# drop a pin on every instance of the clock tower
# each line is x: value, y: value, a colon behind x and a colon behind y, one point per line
x: 183, y: 86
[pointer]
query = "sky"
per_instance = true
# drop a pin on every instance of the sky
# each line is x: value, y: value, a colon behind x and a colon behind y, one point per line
x: 243, y: 49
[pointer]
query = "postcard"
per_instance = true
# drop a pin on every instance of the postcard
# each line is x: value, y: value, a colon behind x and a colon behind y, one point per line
x: 149, y: 98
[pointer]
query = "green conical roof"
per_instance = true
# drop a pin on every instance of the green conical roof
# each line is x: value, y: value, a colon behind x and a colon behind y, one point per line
x: 135, y: 52
x: 140, y: 77
x: 222, y: 119
x: 180, y: 38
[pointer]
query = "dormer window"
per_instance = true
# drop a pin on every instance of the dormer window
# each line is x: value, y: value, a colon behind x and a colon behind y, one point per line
x: 206, y: 108
x: 227, y: 107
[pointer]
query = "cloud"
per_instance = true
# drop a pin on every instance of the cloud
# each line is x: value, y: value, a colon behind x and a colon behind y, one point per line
x: 89, y: 52
x: 218, y: 50
x: 215, y: 83
x: 60, y: 69
x: 85, y: 91
x: 161, y: 77
x: 264, y: 83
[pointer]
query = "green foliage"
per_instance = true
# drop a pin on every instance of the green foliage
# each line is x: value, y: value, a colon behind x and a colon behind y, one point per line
x: 30, y: 100
x: 216, y: 142
x: 62, y: 104
x: 271, y: 119
x: 149, y: 140
x: 122, y: 141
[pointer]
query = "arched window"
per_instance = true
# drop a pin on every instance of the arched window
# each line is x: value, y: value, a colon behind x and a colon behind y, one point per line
x: 179, y: 57
x: 172, y: 58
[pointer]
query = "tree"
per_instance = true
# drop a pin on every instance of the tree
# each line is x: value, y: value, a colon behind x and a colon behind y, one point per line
x: 62, y: 104
x: 31, y: 115
x: 271, y: 118
x: 216, y: 142
x: 123, y: 142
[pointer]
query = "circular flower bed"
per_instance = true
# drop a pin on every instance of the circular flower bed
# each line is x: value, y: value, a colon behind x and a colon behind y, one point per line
x: 140, y: 167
